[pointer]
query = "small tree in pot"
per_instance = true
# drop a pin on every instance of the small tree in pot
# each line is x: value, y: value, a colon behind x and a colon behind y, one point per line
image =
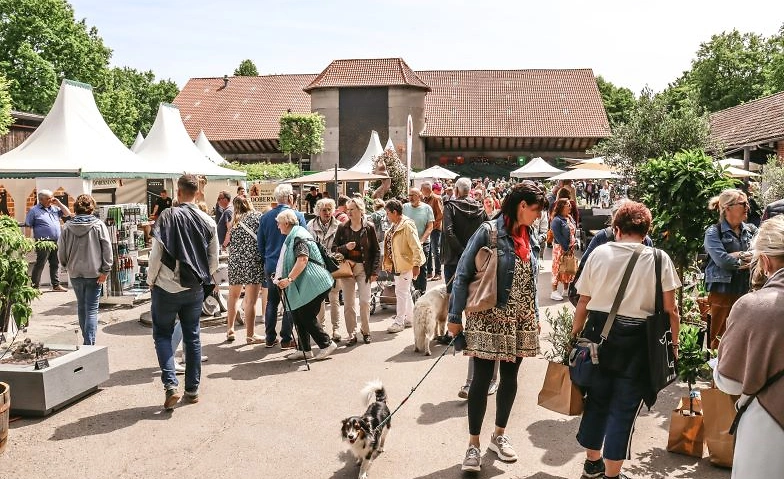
x: 558, y: 393
x: 16, y: 289
x: 692, y: 360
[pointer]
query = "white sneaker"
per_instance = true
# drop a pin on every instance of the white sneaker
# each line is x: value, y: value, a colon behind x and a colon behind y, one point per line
x: 556, y: 296
x: 326, y: 351
x: 179, y: 368
x: 297, y: 355
x: 395, y: 328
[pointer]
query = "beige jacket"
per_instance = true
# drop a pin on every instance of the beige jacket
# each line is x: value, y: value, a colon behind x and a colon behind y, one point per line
x: 406, y: 248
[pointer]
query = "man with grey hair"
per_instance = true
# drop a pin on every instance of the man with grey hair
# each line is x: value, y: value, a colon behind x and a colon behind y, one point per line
x: 44, y: 221
x: 270, y: 240
x: 462, y: 217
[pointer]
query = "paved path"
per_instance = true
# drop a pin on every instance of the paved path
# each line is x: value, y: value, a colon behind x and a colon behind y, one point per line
x: 261, y: 416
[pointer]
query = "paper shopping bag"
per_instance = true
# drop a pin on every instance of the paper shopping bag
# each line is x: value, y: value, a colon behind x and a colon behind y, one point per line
x: 687, y: 429
x: 558, y: 393
x: 719, y: 411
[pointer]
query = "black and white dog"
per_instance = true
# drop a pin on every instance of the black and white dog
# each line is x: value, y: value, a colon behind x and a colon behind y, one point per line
x: 361, y: 432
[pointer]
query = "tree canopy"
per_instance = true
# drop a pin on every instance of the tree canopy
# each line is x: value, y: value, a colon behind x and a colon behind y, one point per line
x: 654, y: 129
x: 618, y: 101
x: 5, y: 106
x: 733, y: 68
x: 301, y: 133
x: 128, y: 100
x: 246, y: 69
x: 41, y: 43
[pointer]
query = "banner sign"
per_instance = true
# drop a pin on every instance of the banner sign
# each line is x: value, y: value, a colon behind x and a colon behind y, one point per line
x: 261, y: 195
x: 106, y: 183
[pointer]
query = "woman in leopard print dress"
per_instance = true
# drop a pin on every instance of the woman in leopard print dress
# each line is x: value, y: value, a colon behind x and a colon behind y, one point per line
x: 509, y: 331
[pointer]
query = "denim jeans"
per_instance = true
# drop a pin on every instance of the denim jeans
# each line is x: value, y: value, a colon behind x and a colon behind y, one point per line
x: 434, y: 257
x: 41, y: 257
x: 611, y: 408
x: 449, y: 273
x: 420, y: 282
x: 88, y: 294
x: 166, y: 308
x: 271, y: 313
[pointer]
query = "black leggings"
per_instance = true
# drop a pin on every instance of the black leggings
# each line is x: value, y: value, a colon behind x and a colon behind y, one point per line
x: 504, y: 399
x: 308, y: 326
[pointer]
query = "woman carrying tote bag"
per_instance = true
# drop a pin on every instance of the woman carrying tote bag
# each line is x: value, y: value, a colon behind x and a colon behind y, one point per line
x: 621, y: 383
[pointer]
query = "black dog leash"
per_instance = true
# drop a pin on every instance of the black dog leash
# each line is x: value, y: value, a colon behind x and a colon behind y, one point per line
x: 386, y: 420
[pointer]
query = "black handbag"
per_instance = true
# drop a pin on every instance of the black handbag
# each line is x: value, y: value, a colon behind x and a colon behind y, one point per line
x: 661, y: 354
x: 588, y: 354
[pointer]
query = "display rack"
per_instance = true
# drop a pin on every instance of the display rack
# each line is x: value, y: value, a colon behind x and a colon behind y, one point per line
x: 128, y: 226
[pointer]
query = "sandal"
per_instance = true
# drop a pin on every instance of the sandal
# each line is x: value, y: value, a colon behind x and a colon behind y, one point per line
x: 353, y: 340
x: 255, y: 339
x: 229, y: 336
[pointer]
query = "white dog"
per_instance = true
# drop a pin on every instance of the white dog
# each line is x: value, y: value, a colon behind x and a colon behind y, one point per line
x: 430, y: 318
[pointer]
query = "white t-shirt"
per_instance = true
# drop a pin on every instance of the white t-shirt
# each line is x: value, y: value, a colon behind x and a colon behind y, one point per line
x: 603, y: 271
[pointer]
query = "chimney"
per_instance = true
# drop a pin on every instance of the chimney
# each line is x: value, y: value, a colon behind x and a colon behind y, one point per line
x: 225, y: 81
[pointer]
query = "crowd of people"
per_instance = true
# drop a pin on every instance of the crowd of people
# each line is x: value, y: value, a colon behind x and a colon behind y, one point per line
x: 436, y: 233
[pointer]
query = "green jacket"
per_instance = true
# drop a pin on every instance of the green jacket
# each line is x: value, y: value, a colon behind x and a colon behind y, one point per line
x: 314, y: 281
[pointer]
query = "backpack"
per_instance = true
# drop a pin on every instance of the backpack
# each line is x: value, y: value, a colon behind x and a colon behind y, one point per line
x: 327, y: 261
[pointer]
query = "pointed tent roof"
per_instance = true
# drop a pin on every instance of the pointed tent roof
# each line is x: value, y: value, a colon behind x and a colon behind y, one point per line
x: 435, y: 172
x: 389, y: 144
x: 75, y: 141
x: 206, y: 147
x: 137, y: 142
x: 365, y: 164
x: 536, y: 168
x: 168, y: 143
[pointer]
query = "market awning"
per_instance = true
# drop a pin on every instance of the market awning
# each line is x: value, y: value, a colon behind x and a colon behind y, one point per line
x: 342, y: 175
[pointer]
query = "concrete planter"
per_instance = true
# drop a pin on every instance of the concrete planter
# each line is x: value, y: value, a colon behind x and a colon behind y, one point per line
x: 67, y: 379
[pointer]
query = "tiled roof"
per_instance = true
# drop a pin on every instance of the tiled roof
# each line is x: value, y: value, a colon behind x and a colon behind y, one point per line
x: 514, y: 103
x: 248, y: 108
x: 367, y: 73
x: 461, y: 103
x: 755, y: 122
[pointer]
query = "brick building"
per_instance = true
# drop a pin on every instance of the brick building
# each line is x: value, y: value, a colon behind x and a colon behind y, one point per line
x: 462, y: 118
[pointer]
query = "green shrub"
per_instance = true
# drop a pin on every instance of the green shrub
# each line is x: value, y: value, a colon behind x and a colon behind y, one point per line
x: 266, y: 171
x: 561, y: 335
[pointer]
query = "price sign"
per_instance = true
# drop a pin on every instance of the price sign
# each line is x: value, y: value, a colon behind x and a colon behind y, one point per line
x: 41, y: 364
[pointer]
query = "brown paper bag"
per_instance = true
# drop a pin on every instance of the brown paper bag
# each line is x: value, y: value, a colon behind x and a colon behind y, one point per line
x: 719, y: 411
x: 687, y: 433
x: 558, y: 393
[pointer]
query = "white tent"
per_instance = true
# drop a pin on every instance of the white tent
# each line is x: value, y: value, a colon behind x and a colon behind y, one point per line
x: 738, y: 172
x: 327, y: 176
x: 168, y: 143
x: 365, y: 164
x: 738, y: 163
x: 389, y: 144
x: 436, y: 172
x: 584, y: 174
x: 206, y: 147
x: 536, y: 168
x: 137, y: 142
x: 75, y: 141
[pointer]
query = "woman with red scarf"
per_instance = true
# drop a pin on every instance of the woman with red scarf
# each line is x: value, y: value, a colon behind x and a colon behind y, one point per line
x: 508, y: 331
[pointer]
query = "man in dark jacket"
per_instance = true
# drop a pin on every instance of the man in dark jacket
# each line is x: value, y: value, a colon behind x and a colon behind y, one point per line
x: 462, y: 217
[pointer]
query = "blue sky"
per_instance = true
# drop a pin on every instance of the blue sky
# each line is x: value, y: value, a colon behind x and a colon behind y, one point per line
x: 630, y: 43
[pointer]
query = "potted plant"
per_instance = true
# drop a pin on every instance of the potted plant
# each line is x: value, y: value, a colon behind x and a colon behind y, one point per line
x: 16, y: 289
x: 687, y: 428
x: 558, y: 393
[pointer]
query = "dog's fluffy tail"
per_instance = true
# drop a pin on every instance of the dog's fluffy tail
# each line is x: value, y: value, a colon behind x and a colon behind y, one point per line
x: 374, y: 391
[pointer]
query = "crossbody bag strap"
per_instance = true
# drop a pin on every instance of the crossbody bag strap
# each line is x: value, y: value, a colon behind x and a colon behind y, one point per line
x: 742, y: 409
x: 659, y: 307
x: 247, y: 228
x: 621, y: 291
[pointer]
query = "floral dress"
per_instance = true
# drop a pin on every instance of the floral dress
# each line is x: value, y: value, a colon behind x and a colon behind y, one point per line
x: 509, y: 332
x: 245, y: 262
x: 557, y: 276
